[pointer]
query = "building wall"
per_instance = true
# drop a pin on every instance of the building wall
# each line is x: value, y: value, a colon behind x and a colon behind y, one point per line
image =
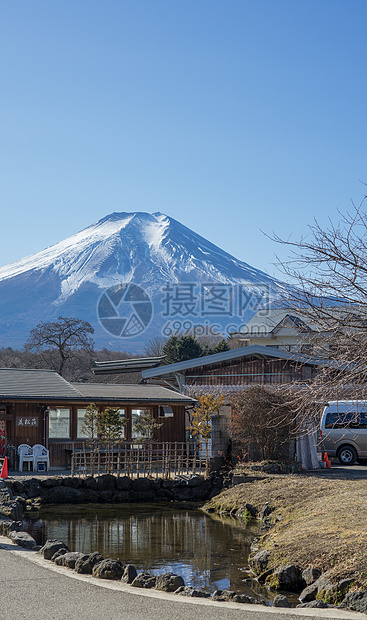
x: 26, y: 422
x: 249, y: 372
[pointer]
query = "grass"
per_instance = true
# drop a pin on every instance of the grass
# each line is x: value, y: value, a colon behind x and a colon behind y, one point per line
x: 315, y: 521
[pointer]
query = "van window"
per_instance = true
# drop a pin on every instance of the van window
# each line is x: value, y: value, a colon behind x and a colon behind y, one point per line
x: 346, y: 420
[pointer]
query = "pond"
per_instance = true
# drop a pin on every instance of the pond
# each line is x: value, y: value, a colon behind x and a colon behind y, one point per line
x: 209, y: 552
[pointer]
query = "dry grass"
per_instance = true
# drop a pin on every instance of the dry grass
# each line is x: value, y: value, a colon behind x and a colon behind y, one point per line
x: 316, y: 521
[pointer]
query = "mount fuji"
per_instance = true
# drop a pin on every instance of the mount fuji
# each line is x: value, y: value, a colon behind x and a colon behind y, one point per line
x: 132, y: 276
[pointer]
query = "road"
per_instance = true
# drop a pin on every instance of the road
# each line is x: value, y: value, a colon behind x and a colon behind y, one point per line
x: 33, y: 588
x: 341, y: 472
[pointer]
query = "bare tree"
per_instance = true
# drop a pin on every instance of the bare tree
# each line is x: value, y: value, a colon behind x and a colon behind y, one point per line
x: 262, y: 421
x: 61, y: 338
x: 328, y: 271
x: 154, y: 347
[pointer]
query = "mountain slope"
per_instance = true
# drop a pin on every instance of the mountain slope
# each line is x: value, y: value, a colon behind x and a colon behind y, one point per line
x: 148, y: 250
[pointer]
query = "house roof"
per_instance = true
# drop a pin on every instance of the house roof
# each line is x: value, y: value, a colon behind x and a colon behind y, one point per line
x: 132, y: 393
x: 36, y: 384
x: 208, y: 360
x: 128, y: 365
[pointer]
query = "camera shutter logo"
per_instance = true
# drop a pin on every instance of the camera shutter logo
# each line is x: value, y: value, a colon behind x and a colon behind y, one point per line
x: 125, y: 310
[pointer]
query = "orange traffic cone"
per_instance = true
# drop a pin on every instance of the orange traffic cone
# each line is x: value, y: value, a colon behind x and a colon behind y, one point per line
x: 4, y: 469
x: 326, y: 458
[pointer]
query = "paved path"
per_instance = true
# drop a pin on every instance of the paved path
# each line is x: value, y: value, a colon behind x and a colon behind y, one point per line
x: 33, y: 588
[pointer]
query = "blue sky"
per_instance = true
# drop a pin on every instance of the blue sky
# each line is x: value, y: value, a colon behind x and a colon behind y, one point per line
x: 231, y: 116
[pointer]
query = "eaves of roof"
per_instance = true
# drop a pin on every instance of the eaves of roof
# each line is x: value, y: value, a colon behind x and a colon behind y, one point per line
x: 253, y: 350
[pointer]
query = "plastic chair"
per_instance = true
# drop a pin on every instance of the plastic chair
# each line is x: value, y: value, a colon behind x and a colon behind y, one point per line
x: 40, y: 455
x: 25, y: 453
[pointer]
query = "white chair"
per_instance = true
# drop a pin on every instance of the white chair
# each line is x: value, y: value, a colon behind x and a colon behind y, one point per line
x: 40, y: 455
x: 25, y: 453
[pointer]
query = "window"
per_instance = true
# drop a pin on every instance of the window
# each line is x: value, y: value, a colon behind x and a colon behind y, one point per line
x: 122, y: 413
x: 135, y: 414
x: 59, y: 423
x: 80, y: 422
x: 346, y: 420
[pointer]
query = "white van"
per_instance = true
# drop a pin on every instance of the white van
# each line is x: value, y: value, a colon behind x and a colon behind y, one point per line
x: 343, y: 430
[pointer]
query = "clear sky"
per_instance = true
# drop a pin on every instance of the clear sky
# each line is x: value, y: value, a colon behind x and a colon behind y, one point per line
x: 231, y: 116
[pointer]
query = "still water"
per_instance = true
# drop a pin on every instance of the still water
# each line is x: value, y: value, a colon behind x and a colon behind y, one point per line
x: 208, y: 552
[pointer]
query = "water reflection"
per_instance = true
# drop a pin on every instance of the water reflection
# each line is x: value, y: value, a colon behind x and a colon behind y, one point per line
x: 208, y: 553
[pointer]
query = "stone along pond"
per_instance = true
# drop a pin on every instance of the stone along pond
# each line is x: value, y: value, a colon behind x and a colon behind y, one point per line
x: 209, y: 552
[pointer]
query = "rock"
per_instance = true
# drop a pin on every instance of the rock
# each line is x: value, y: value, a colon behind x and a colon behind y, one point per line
x: 223, y: 595
x: 344, y: 584
x: 69, y: 559
x: 169, y: 582
x: 49, y: 483
x: 73, y: 483
x: 265, y: 512
x: 286, y: 578
x: 142, y: 496
x: 188, y: 591
x: 9, y: 508
x: 129, y: 574
x: 259, y: 562
x: 310, y: 575
x: 64, y: 495
x: 327, y: 591
x: 105, y: 496
x: 58, y: 553
x: 50, y: 547
x: 238, y: 479
x: 15, y: 526
x: 281, y: 601
x: 108, y: 569
x: 195, y: 480
x: 88, y: 495
x: 309, y: 593
x: 86, y: 564
x: 32, y: 488
x: 141, y: 485
x: 106, y: 482
x: 144, y: 580
x: 243, y: 598
x: 124, y: 483
x: 251, y: 510
x: 316, y: 604
x: 90, y: 483
x: 357, y: 601
x: 23, y: 539
x: 19, y: 487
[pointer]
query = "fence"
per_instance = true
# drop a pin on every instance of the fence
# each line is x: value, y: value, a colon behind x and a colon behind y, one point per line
x: 131, y: 458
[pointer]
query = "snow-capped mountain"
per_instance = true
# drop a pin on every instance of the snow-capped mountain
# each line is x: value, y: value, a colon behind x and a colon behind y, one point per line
x: 131, y: 275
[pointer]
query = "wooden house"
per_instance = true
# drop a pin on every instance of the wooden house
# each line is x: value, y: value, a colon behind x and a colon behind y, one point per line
x: 39, y: 406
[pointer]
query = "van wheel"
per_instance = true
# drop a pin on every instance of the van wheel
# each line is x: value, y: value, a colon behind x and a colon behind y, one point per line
x: 347, y: 455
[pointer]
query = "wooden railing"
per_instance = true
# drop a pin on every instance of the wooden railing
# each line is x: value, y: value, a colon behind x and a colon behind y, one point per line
x: 134, y: 458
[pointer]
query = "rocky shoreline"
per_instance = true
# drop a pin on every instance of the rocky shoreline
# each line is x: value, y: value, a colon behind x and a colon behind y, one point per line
x: 314, y: 589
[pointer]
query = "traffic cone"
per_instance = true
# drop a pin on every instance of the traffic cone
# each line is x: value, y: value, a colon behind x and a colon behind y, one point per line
x: 326, y: 458
x: 4, y: 469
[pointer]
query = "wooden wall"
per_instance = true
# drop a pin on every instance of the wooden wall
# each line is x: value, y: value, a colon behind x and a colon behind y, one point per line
x: 248, y: 372
x: 25, y: 424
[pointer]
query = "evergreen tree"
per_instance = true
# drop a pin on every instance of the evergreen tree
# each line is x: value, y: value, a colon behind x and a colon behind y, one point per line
x: 111, y: 424
x: 91, y: 422
x: 182, y: 348
x: 146, y: 425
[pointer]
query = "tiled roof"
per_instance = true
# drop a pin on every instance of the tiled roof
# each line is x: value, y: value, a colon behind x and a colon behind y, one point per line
x: 131, y: 393
x: 34, y: 383
x: 128, y: 365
